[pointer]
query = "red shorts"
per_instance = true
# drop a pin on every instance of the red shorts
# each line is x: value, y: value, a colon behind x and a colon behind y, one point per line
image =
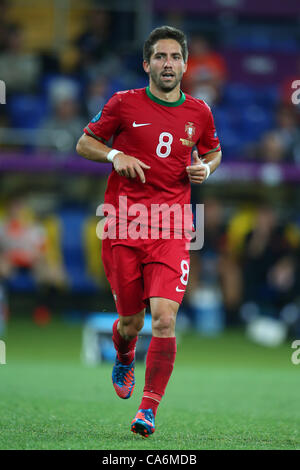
x: 147, y: 268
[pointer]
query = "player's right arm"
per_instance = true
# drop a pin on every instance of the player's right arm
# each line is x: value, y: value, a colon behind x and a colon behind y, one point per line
x: 102, y: 127
x: 125, y: 165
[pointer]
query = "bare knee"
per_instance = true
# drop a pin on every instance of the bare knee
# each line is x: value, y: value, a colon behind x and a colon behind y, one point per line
x: 163, y: 313
x: 129, y: 327
x: 163, y: 324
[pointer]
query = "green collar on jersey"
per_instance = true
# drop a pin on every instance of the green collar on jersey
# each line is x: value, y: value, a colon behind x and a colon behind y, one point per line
x: 165, y: 103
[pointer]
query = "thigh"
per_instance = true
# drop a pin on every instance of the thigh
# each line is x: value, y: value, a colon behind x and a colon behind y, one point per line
x: 166, y: 273
x: 127, y: 280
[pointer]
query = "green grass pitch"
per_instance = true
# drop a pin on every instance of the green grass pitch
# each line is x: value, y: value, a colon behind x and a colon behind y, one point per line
x: 225, y: 393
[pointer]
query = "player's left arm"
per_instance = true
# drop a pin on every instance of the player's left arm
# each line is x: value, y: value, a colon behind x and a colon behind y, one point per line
x: 202, y: 167
x: 208, y: 155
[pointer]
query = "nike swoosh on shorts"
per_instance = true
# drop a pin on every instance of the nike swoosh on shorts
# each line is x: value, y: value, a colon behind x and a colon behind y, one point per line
x: 179, y: 290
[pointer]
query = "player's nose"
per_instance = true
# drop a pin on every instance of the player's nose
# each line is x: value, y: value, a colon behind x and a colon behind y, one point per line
x: 168, y: 63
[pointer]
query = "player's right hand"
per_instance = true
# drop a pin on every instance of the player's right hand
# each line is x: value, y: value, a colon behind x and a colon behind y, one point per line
x: 130, y: 167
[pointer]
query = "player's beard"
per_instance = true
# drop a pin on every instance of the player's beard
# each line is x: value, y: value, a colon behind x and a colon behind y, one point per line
x: 161, y: 85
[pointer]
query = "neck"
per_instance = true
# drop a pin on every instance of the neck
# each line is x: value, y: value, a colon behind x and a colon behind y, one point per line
x: 171, y: 96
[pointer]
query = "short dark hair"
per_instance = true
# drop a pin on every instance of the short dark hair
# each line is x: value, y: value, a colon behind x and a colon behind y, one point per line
x: 165, y: 32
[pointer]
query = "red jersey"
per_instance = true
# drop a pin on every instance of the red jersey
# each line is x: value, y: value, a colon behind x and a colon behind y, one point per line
x: 159, y: 133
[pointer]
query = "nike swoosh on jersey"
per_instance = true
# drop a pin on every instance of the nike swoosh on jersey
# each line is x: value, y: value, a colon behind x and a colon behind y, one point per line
x: 134, y: 124
x: 179, y: 290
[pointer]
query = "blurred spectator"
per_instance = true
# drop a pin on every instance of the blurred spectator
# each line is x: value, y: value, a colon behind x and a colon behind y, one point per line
x: 21, y: 241
x: 282, y: 143
x: 62, y: 128
x: 271, y: 148
x: 97, y: 95
x: 269, y: 266
x: 4, y: 25
x: 95, y: 40
x: 96, y: 47
x: 23, y: 246
x: 213, y: 268
x: 19, y: 70
x: 288, y: 131
x: 206, y: 72
x: 286, y: 90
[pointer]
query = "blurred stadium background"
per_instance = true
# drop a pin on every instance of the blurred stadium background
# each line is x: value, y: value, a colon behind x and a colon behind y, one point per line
x: 60, y: 61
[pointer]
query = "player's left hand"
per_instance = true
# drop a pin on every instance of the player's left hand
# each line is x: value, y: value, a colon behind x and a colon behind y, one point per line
x: 196, y: 172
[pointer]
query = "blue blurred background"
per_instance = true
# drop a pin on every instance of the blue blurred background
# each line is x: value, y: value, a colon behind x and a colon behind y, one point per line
x: 61, y: 61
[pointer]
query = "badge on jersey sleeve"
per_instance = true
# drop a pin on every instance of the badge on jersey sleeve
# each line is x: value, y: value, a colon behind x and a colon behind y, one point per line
x: 97, y: 117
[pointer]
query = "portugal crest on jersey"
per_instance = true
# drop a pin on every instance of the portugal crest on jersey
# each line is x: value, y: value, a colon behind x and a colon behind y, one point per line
x: 190, y: 129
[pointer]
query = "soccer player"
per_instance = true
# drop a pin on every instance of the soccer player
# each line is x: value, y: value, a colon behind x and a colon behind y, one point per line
x: 154, y: 130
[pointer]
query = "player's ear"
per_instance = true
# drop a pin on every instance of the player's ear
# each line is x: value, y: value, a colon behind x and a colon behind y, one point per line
x: 185, y: 67
x: 146, y: 66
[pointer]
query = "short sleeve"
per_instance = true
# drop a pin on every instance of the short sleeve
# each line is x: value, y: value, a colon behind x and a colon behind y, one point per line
x: 209, y: 141
x: 106, y: 123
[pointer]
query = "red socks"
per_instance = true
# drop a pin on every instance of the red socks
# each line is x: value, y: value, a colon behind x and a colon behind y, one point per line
x: 125, y: 349
x: 159, y: 366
